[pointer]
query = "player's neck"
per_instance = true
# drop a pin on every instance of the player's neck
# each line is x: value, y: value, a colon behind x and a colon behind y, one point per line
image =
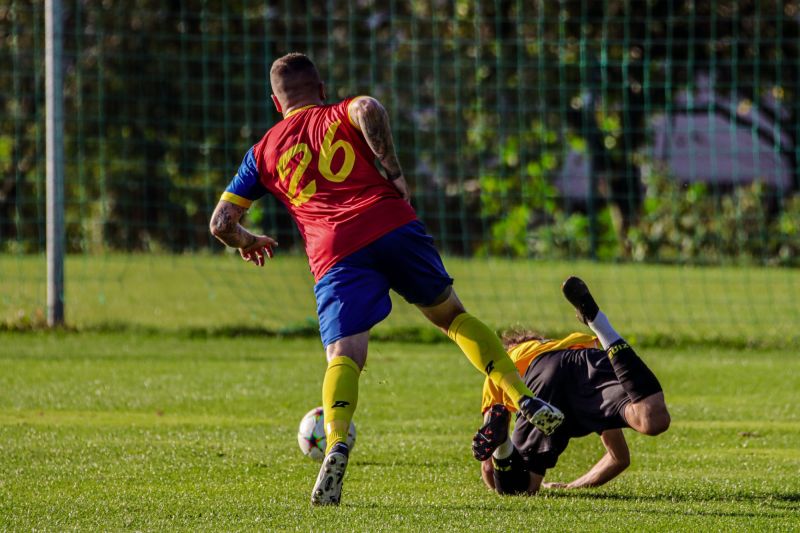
x: 304, y: 104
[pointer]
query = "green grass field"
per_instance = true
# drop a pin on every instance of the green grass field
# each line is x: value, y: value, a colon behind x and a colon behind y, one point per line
x: 213, y: 293
x: 173, y: 400
x: 125, y: 431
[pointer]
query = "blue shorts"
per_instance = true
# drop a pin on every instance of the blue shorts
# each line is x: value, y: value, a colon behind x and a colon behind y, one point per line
x: 353, y: 295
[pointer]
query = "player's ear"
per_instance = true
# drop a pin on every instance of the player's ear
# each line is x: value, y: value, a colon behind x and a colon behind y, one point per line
x: 276, y: 102
x: 322, y: 94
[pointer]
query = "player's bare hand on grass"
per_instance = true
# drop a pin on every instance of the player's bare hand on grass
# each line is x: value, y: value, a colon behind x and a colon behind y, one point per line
x: 555, y: 485
x: 260, y: 251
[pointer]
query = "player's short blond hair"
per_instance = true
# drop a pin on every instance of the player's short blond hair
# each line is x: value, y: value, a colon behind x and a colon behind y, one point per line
x: 293, y: 73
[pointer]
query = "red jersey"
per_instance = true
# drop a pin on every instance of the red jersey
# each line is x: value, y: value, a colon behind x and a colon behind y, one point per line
x: 317, y: 162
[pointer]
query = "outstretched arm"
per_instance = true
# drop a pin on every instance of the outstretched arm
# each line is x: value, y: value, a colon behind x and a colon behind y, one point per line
x: 373, y: 121
x: 226, y: 228
x: 613, y: 463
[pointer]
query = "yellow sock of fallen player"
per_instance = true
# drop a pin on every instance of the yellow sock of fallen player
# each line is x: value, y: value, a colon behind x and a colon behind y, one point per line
x: 486, y: 353
x: 339, y: 398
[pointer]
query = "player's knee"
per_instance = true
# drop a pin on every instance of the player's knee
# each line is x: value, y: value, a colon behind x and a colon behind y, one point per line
x: 656, y: 422
x: 650, y: 416
x: 443, y: 314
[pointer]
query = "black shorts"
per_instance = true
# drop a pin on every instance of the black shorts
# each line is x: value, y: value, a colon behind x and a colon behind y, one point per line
x: 581, y: 383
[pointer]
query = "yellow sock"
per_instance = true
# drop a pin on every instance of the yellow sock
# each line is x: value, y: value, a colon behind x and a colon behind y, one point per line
x: 486, y: 353
x: 339, y: 398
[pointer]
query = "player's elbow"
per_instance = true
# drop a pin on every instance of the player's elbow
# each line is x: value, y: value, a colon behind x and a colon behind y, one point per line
x: 620, y: 457
x: 623, y: 462
x: 217, y: 226
x: 215, y: 230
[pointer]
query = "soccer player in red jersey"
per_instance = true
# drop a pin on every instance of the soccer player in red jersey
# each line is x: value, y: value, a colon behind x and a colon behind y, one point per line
x: 362, y: 239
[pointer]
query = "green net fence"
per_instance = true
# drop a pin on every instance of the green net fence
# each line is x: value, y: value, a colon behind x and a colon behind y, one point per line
x: 650, y: 146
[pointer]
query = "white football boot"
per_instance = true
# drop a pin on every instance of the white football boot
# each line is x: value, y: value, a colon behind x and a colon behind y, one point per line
x: 541, y: 414
x: 328, y: 488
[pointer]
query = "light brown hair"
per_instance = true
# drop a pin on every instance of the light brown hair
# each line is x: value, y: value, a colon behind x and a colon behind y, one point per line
x: 517, y: 335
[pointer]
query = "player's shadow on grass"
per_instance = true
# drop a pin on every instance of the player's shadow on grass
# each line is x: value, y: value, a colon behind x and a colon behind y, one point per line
x: 497, y: 506
x: 775, y: 503
x: 400, y: 462
x: 787, y: 497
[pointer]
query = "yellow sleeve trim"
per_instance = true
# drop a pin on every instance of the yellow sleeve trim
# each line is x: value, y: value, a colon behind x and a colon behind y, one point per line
x: 349, y: 116
x: 236, y: 199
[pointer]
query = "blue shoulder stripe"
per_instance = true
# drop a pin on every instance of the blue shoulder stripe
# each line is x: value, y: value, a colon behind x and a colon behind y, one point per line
x: 246, y: 184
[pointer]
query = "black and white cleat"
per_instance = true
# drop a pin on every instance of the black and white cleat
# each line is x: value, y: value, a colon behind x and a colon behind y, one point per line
x: 328, y: 488
x: 577, y: 293
x: 541, y: 414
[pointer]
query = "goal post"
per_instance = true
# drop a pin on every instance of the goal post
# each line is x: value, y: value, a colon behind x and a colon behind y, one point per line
x: 54, y: 97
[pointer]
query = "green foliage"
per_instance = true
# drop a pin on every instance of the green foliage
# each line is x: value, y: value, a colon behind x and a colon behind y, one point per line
x: 568, y: 235
x: 679, y: 223
x: 510, y: 233
x: 522, y: 207
x: 515, y: 191
x: 163, y: 99
x: 694, y: 224
x: 785, y: 233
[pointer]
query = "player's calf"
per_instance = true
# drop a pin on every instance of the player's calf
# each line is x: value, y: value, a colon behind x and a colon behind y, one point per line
x: 635, y: 377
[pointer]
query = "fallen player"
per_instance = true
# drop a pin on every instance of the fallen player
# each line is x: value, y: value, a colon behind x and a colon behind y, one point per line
x: 598, y: 390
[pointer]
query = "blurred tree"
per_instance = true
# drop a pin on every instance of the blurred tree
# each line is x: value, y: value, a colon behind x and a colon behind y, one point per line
x: 164, y: 98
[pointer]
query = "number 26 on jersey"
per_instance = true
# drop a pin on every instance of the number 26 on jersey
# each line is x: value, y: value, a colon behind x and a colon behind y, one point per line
x: 327, y: 152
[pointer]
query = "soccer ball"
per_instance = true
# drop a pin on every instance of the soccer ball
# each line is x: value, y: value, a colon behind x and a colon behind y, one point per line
x: 311, y: 435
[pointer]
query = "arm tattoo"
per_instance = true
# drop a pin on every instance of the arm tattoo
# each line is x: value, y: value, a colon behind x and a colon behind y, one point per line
x: 374, y: 123
x: 225, y: 226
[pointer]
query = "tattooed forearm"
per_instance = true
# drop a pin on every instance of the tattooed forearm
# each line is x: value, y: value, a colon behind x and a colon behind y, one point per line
x: 225, y: 217
x: 226, y: 228
x: 373, y: 120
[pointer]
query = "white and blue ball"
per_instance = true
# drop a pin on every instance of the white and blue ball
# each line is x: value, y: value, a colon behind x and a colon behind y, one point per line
x: 311, y: 435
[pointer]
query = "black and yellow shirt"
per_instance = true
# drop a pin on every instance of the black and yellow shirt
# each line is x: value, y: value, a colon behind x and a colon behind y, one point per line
x: 524, y: 354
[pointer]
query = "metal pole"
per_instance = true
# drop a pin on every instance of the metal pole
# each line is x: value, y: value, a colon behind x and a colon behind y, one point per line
x: 54, y: 96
